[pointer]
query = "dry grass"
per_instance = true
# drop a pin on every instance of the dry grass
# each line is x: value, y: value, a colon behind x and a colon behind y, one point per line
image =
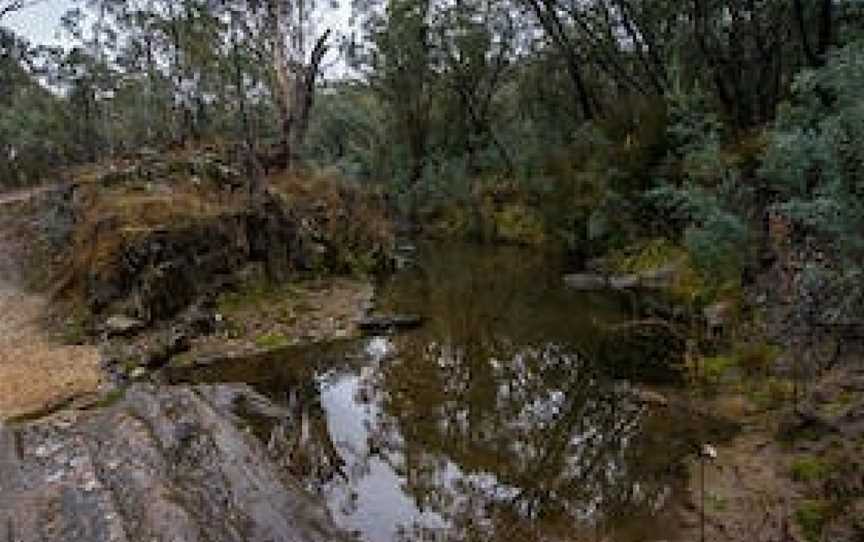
x: 354, y: 222
x: 115, y: 216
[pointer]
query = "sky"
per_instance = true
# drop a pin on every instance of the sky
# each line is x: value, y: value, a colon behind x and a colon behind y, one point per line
x: 40, y: 23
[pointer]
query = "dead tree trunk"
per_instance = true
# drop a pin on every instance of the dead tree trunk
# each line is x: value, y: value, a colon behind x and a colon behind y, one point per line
x: 295, y: 94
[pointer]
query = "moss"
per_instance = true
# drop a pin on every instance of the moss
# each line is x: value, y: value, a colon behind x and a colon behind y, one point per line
x: 74, y: 330
x: 714, y: 368
x: 128, y: 365
x: 453, y: 222
x: 811, y: 516
x: 773, y: 393
x: 110, y: 398
x: 184, y: 360
x: 518, y: 223
x: 809, y: 469
x: 654, y: 254
x: 750, y: 359
x: 646, y: 256
x: 270, y: 341
x: 252, y: 294
x: 715, y: 502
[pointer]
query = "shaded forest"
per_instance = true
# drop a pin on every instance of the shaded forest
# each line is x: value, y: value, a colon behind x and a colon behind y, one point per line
x: 726, y: 130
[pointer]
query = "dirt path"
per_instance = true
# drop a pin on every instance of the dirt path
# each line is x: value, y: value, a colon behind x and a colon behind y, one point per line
x: 36, y: 373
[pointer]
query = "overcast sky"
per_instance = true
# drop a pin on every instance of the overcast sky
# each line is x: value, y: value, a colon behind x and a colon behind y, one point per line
x: 40, y: 23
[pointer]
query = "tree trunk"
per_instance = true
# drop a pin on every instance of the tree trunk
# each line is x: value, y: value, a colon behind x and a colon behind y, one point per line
x: 295, y: 89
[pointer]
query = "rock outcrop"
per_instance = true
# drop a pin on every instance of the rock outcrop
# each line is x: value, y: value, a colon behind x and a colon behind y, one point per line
x: 170, y: 463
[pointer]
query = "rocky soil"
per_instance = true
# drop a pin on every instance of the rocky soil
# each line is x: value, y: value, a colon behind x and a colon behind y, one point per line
x: 794, y: 473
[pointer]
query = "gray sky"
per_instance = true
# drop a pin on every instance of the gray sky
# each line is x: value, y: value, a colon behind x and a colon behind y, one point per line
x: 40, y: 23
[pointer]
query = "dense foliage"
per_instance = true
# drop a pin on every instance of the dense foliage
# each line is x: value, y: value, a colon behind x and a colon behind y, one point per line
x: 594, y: 124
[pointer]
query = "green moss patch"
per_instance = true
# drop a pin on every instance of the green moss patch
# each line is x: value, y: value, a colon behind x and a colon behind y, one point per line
x: 811, y: 516
x: 810, y: 469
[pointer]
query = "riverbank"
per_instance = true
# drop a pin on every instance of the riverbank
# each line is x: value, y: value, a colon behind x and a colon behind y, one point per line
x: 793, y: 473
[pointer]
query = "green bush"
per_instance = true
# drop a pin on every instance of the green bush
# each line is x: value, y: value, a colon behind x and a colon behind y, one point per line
x: 809, y: 469
x: 811, y: 516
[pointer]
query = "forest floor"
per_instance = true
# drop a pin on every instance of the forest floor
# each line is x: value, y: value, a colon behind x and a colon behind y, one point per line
x: 37, y: 373
x: 745, y: 490
x: 790, y: 474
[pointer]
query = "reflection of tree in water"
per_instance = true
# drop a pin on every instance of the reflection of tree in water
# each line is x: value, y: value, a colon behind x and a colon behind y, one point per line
x: 487, y: 420
x: 299, y: 436
x: 306, y: 447
x: 537, y: 445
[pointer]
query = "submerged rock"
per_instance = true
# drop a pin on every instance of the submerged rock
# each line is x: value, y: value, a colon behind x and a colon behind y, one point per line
x: 389, y: 324
x: 586, y: 281
x: 652, y: 279
x: 170, y: 463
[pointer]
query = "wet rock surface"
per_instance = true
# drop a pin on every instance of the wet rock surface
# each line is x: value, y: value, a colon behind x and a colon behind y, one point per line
x: 167, y: 463
x: 382, y: 324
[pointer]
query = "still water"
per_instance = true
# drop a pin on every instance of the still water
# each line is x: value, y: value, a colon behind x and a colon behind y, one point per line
x: 494, y: 421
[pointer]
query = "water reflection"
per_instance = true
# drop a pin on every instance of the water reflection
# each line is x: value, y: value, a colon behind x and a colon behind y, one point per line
x: 487, y: 424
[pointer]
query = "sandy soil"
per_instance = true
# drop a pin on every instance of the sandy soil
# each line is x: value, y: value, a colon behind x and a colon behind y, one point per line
x: 36, y: 373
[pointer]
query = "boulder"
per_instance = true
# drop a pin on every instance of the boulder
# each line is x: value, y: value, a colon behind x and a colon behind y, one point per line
x: 162, y: 463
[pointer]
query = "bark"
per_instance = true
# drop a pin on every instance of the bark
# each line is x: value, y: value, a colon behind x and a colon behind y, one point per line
x: 296, y: 96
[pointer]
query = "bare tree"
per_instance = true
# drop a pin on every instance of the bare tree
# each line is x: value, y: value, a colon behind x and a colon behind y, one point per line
x: 297, y: 53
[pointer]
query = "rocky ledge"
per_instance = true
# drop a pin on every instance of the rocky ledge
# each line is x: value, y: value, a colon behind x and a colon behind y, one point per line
x: 166, y: 463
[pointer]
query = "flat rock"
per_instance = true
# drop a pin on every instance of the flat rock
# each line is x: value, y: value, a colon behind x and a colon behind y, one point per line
x: 650, y: 398
x: 586, y: 281
x: 163, y: 463
x: 121, y: 325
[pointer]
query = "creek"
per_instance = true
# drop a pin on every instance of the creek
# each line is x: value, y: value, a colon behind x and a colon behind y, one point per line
x: 496, y: 420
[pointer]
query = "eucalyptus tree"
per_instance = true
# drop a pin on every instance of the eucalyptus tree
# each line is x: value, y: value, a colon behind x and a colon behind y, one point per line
x: 297, y: 48
x: 476, y: 43
x: 398, y: 64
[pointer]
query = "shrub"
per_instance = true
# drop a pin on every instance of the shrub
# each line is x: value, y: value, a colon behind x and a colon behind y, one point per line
x: 809, y: 469
x: 811, y: 516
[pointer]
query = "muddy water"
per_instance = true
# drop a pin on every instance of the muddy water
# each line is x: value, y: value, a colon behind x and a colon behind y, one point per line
x: 495, y: 421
